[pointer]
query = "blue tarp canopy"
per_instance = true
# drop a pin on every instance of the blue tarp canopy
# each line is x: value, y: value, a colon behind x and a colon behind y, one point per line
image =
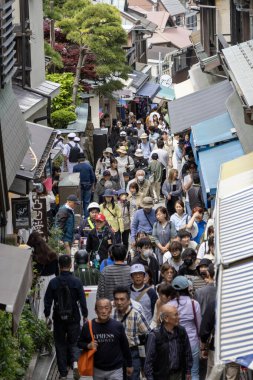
x: 149, y: 90
x: 211, y: 131
x: 166, y: 93
x: 210, y: 161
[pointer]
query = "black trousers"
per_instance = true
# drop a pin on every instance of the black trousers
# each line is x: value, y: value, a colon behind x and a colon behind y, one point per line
x: 65, y: 337
x: 125, y: 238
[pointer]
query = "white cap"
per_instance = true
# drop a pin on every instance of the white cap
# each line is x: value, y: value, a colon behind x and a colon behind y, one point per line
x: 71, y: 135
x: 77, y: 139
x: 137, y: 268
x: 58, y: 133
x: 93, y: 205
x: 122, y: 133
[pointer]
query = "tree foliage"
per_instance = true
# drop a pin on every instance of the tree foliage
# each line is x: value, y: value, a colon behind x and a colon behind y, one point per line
x: 56, y: 59
x: 96, y: 28
x: 64, y: 99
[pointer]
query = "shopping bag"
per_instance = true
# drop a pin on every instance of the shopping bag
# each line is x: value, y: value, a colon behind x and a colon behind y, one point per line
x: 86, y: 360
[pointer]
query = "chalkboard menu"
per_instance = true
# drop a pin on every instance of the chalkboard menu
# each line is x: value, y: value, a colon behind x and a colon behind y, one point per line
x: 21, y: 213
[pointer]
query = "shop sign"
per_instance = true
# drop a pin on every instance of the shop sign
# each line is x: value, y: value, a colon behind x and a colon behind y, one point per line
x: 21, y: 213
x: 39, y: 212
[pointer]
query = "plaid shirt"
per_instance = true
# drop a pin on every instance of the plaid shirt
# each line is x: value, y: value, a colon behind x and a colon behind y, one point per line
x: 135, y: 324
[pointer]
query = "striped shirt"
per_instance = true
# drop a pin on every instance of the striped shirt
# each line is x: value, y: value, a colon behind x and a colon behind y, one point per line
x: 135, y: 324
x: 111, y: 277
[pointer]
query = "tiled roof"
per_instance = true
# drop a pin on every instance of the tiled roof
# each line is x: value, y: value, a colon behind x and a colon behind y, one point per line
x: 174, y: 7
x: 178, y: 37
x: 199, y: 106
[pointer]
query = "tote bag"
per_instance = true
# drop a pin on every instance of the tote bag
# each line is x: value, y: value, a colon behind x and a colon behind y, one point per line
x: 86, y: 360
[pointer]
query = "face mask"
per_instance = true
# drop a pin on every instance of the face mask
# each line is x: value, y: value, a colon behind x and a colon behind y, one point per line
x: 147, y: 253
x: 140, y: 178
x: 188, y: 262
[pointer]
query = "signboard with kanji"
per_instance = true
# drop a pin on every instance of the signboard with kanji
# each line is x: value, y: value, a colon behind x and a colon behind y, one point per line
x: 39, y: 212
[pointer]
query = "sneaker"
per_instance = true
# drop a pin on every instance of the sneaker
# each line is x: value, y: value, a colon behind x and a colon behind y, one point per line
x: 76, y: 375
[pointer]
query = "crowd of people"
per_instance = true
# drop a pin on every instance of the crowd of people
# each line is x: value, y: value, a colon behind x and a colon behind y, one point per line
x: 147, y: 242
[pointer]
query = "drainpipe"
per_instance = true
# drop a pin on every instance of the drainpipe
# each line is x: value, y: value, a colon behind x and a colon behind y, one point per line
x: 24, y: 86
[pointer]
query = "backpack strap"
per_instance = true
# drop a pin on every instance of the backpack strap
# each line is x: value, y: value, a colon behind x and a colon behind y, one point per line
x: 142, y: 294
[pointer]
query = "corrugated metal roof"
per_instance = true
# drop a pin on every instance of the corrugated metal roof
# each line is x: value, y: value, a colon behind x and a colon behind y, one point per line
x: 149, y: 90
x: 199, y: 106
x: 216, y: 129
x: 244, y: 131
x: 138, y: 79
x: 211, y: 159
x: 236, y: 239
x: 239, y: 59
x: 174, y: 7
x: 234, y: 332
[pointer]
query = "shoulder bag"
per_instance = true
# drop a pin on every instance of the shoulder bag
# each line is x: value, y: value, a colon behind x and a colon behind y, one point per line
x: 86, y: 360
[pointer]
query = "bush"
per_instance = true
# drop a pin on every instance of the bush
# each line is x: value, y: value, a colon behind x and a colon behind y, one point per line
x: 16, y: 351
x: 64, y: 99
x: 61, y: 118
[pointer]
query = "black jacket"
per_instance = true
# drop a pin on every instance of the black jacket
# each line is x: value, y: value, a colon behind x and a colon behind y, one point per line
x: 100, y: 243
x: 77, y: 295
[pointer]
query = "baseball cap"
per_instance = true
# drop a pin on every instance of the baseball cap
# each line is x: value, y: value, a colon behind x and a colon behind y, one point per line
x: 100, y: 217
x: 180, y: 283
x: 137, y: 268
x: 71, y: 135
x: 76, y: 139
x: 93, y: 205
x: 73, y: 198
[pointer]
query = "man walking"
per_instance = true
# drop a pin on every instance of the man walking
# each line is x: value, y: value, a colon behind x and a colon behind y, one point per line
x: 168, y: 351
x: 66, y: 291
x: 110, y: 342
x: 71, y: 151
x: 87, y: 181
x: 65, y: 220
x: 135, y: 325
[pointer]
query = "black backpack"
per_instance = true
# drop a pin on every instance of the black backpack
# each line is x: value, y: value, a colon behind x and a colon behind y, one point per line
x: 74, y: 153
x: 64, y: 302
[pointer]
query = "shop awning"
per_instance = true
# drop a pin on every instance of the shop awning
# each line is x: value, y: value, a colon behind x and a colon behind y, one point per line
x: 148, y: 90
x: 210, y: 161
x: 211, y: 131
x: 199, y: 106
x: 15, y: 279
x: 234, y: 332
x: 166, y: 93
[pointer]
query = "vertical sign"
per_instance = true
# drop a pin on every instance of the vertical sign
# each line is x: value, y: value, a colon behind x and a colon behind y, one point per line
x: 39, y: 223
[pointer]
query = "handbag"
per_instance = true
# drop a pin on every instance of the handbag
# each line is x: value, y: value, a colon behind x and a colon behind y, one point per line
x: 86, y: 360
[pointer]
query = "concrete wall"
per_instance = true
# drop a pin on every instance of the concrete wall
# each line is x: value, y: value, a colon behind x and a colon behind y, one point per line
x: 16, y: 12
x: 94, y: 104
x: 37, y: 43
x: 223, y: 17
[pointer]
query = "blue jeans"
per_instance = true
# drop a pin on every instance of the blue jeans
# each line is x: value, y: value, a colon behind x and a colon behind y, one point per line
x: 137, y: 364
x: 195, y: 366
x: 86, y: 196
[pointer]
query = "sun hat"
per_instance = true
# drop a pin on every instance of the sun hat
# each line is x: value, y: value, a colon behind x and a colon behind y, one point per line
x: 108, y: 193
x: 71, y: 135
x: 121, y: 191
x: 121, y: 150
x: 137, y: 268
x: 180, y: 283
x: 147, y: 202
x: 143, y: 136
x: 138, y: 153
x: 108, y: 150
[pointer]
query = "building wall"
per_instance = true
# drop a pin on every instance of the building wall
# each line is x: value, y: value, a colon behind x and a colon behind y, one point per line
x: 37, y: 43
x: 223, y: 17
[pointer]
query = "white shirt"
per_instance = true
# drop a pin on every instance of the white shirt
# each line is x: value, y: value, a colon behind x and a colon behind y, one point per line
x: 66, y: 149
x: 152, y: 115
x: 187, y: 180
x: 163, y: 156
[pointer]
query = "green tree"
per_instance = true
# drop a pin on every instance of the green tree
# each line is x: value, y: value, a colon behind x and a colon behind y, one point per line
x: 64, y: 99
x: 96, y: 28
